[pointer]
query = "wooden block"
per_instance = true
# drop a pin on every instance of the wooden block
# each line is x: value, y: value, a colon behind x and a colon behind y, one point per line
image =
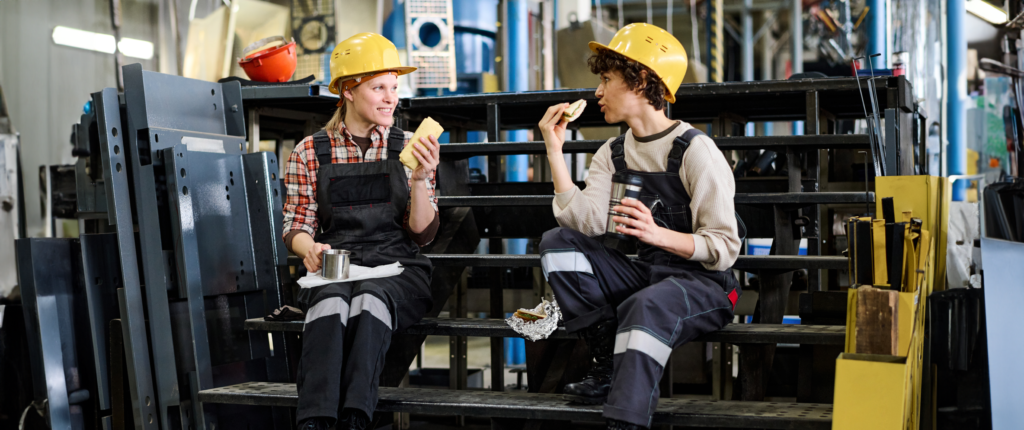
x: 877, y: 321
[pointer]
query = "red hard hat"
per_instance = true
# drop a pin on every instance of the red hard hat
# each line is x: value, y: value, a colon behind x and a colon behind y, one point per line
x: 276, y: 64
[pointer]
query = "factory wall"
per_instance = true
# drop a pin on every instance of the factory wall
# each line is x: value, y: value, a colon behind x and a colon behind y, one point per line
x: 46, y: 85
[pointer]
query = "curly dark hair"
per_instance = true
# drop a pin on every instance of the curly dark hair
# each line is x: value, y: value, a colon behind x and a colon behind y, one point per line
x: 610, y: 61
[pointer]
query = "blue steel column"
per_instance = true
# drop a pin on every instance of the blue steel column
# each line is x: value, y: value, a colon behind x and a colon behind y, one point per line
x: 475, y: 30
x: 956, y: 89
x: 748, y: 50
x: 796, y: 40
x: 876, y: 31
x: 518, y: 80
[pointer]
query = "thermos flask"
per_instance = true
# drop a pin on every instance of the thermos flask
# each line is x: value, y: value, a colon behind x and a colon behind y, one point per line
x: 624, y: 186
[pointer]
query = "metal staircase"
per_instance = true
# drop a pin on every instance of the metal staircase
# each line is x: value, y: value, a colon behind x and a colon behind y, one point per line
x: 183, y: 239
x: 508, y: 210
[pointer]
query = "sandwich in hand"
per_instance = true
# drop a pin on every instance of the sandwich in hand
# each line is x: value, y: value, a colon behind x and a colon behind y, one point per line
x: 428, y: 127
x: 574, y: 110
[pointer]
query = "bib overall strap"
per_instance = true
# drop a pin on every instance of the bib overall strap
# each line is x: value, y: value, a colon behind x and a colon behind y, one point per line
x: 322, y: 144
x: 396, y: 141
x: 619, y: 153
x: 679, y: 145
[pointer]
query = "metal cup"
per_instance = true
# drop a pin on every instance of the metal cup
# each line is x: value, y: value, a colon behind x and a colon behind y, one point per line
x: 335, y: 264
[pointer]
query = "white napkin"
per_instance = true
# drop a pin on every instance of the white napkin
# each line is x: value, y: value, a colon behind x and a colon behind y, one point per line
x: 355, y: 273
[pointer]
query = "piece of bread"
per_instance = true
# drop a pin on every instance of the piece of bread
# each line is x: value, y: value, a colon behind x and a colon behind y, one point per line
x: 574, y: 110
x: 428, y: 127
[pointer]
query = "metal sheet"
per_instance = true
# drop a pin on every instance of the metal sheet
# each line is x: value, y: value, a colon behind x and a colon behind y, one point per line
x: 1003, y: 295
x: 179, y: 175
x: 45, y: 287
x: 116, y: 177
x: 221, y: 215
x: 101, y: 274
x: 139, y: 94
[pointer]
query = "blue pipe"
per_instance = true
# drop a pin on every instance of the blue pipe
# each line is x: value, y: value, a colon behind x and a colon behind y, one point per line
x: 518, y: 80
x: 956, y: 89
x: 876, y: 32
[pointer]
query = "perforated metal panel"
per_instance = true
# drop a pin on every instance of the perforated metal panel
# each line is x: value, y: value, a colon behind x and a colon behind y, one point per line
x: 429, y: 39
x: 313, y: 28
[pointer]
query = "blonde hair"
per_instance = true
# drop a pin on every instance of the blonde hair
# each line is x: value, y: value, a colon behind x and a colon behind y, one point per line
x: 339, y: 115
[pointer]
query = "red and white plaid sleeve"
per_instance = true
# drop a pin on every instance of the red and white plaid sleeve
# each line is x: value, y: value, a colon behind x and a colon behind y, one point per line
x: 300, y: 189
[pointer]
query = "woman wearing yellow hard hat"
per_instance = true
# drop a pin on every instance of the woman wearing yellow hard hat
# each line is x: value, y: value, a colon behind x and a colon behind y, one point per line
x: 347, y: 189
x: 632, y: 314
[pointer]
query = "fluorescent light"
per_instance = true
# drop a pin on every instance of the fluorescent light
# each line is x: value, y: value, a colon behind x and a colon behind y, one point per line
x: 136, y: 48
x: 84, y: 39
x: 100, y: 42
x: 986, y: 11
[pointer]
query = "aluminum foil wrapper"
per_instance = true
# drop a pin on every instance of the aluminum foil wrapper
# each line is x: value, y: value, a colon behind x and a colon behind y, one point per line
x: 539, y: 329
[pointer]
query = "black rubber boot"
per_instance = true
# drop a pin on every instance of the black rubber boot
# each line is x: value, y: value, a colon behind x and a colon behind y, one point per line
x: 614, y: 424
x: 593, y: 390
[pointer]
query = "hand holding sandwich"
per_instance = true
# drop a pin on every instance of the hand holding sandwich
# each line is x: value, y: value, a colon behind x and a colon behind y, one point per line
x: 552, y: 126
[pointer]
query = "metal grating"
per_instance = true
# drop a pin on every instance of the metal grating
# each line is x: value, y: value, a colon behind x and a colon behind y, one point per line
x: 435, y: 59
x: 312, y: 64
x: 432, y: 71
x: 429, y: 7
x: 681, y: 412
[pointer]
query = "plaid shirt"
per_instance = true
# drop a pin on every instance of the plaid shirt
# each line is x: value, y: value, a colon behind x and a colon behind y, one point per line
x: 301, y: 171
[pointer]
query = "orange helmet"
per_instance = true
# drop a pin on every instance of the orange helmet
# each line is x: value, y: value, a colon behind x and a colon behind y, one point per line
x: 273, y: 61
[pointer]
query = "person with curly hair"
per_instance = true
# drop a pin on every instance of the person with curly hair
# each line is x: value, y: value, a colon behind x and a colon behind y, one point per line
x: 632, y: 314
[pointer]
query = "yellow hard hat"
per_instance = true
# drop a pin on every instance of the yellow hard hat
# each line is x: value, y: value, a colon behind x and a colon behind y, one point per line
x: 653, y: 47
x: 361, y: 55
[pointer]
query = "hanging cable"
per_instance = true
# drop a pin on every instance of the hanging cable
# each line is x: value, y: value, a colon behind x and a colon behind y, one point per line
x: 650, y: 13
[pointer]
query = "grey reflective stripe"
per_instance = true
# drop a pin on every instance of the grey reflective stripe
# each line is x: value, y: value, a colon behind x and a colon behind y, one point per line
x: 327, y: 307
x: 373, y: 305
x: 565, y: 261
x: 641, y: 341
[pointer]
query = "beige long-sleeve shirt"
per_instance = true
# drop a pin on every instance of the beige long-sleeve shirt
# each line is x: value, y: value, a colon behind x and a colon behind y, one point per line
x: 705, y: 174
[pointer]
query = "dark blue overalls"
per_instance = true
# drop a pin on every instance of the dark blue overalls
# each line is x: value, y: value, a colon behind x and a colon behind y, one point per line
x: 661, y: 301
x: 361, y: 208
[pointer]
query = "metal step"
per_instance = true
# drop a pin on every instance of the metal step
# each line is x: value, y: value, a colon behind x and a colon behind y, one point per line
x: 744, y: 262
x: 776, y: 143
x: 750, y: 199
x: 489, y: 327
x: 756, y: 101
x: 492, y: 404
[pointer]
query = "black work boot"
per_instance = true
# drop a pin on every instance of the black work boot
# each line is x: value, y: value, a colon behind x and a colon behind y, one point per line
x: 614, y: 424
x: 315, y: 423
x: 593, y: 389
x: 352, y: 419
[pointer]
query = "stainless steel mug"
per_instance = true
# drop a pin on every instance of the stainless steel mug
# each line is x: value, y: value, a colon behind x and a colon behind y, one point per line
x: 624, y: 186
x: 335, y: 264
